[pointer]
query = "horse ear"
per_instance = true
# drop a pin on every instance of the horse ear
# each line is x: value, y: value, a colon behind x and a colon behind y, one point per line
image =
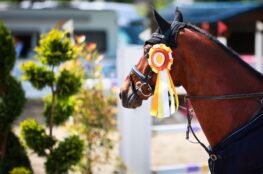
x: 162, y: 23
x: 178, y: 15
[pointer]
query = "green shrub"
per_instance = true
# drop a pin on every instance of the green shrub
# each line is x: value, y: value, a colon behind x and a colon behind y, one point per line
x: 12, y: 103
x: 68, y: 153
x: 39, y: 76
x: 15, y: 155
x: 35, y: 137
x: 7, y: 52
x: 68, y: 83
x: 53, y: 52
x: 64, y: 109
x: 12, y: 100
x: 20, y: 170
x: 55, y: 48
x: 95, y: 119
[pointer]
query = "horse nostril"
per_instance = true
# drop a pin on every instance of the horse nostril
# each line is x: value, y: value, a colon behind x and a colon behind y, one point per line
x: 120, y: 95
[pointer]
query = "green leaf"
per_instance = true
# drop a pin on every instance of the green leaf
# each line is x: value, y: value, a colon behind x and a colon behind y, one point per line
x: 55, y: 48
x: 39, y: 76
x: 11, y: 103
x: 7, y: 51
x: 20, y: 170
x: 64, y: 108
x: 68, y: 153
x: 67, y: 83
x: 35, y: 137
x: 15, y: 155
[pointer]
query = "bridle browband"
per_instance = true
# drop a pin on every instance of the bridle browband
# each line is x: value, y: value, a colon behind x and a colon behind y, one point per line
x: 169, y: 38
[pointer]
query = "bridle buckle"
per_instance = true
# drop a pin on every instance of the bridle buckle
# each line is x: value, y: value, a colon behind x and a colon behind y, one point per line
x: 213, y: 157
x: 139, y: 85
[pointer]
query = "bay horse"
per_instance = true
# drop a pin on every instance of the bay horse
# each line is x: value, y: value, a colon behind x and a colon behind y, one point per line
x: 225, y: 93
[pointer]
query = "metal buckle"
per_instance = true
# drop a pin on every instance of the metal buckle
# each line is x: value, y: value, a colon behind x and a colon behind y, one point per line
x: 213, y: 157
x: 139, y: 86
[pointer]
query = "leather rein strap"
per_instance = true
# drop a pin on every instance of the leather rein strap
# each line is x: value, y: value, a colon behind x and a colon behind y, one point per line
x: 227, y: 97
x: 223, y: 97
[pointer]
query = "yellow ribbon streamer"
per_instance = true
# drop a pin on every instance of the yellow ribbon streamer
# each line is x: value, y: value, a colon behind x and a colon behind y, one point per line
x: 174, y: 91
x: 154, y: 109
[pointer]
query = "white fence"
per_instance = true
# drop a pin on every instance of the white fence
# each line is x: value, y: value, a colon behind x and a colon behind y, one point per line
x: 134, y: 125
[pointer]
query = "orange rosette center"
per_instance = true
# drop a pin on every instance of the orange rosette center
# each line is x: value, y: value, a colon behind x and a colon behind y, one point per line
x: 160, y: 58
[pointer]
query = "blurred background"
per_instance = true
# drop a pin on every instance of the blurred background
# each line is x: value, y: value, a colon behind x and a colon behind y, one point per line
x: 119, y: 29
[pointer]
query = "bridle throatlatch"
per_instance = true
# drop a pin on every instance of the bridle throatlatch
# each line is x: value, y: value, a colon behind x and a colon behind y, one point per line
x: 160, y: 61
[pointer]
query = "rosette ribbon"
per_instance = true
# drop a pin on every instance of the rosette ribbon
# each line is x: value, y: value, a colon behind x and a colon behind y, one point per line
x: 160, y: 61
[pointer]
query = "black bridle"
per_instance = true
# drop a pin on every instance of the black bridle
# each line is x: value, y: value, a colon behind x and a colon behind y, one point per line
x: 137, y: 88
x: 169, y: 38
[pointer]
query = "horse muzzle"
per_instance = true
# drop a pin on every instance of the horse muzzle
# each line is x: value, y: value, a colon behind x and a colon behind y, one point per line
x: 129, y: 99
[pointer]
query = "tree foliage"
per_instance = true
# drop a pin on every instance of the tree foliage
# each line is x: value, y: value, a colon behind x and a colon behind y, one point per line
x: 15, y: 155
x: 20, y: 170
x: 12, y: 100
x: 67, y: 154
x: 35, y: 137
x: 39, y: 76
x: 55, y: 48
x: 53, y: 53
x: 8, y: 54
x: 67, y: 83
x: 11, y: 103
x: 64, y: 109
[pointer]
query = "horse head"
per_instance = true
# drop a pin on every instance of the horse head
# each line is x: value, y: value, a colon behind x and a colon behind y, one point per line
x: 140, y: 83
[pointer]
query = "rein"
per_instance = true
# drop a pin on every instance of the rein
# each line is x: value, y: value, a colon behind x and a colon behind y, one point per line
x: 222, y: 97
x: 227, y: 97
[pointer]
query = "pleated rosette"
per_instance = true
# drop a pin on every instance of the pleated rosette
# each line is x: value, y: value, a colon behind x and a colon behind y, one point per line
x: 161, y: 60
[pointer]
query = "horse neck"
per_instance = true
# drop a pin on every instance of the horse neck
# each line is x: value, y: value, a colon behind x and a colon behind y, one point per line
x: 210, y: 70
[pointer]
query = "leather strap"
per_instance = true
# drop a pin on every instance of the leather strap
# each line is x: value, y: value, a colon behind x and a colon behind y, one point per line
x: 223, y: 97
x: 227, y: 97
x: 169, y: 37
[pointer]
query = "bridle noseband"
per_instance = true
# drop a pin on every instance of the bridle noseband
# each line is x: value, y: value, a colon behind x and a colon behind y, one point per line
x: 137, y: 88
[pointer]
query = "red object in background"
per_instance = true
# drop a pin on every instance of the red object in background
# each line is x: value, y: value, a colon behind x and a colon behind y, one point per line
x: 250, y: 59
x: 205, y: 26
x: 221, y: 28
